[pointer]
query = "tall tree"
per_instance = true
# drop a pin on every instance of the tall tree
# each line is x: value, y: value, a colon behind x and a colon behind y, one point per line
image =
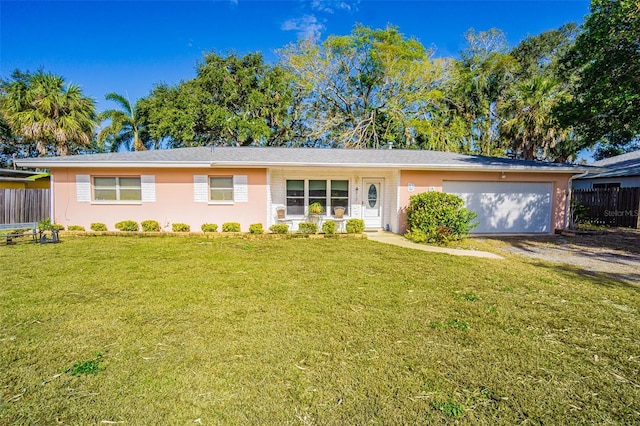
x: 541, y: 54
x: 40, y: 107
x: 232, y: 101
x: 604, y: 67
x: 124, y: 129
x: 529, y: 126
x: 363, y: 90
x: 476, y: 89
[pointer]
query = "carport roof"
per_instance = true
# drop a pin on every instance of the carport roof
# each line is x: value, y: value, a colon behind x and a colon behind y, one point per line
x: 298, y: 157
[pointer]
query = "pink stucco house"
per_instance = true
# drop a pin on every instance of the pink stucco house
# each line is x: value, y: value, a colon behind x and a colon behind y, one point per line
x: 248, y: 185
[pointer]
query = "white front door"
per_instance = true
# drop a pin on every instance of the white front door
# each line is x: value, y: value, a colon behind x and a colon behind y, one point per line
x: 372, y: 201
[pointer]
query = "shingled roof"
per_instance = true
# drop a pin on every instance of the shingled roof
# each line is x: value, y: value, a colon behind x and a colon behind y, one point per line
x: 619, y: 166
x: 297, y: 157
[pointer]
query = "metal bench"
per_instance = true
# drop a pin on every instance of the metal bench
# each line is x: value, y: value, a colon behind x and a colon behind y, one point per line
x: 16, y: 230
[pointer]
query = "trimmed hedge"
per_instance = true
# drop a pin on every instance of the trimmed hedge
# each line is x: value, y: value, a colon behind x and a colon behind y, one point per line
x: 231, y: 227
x: 209, y: 227
x: 307, y: 228
x: 355, y: 226
x: 127, y: 225
x: 279, y: 228
x: 329, y: 227
x: 256, y: 229
x: 97, y: 226
x: 150, y: 226
x: 75, y: 228
x: 180, y: 227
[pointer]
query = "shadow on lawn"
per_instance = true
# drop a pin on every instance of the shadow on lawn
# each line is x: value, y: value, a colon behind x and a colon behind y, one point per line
x: 622, y: 239
x: 606, y: 279
x: 610, y: 256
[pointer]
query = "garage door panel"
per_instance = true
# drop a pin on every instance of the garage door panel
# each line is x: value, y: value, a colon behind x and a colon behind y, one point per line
x: 503, y: 207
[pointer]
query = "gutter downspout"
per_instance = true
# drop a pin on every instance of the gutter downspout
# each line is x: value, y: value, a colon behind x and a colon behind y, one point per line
x: 567, y: 211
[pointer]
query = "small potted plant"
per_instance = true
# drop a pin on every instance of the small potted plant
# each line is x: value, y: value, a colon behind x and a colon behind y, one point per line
x: 316, y: 208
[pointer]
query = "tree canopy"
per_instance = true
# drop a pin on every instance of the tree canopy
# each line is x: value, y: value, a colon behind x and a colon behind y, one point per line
x: 604, y: 68
x: 125, y: 129
x: 363, y: 90
x: 232, y: 100
x: 41, y: 108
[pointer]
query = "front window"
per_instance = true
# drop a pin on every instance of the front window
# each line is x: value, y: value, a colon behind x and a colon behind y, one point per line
x: 117, y: 189
x: 340, y: 194
x: 221, y: 189
x: 318, y: 193
x: 295, y: 197
x: 329, y: 193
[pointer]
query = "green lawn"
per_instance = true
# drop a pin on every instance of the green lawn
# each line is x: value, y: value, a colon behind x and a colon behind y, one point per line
x: 329, y: 331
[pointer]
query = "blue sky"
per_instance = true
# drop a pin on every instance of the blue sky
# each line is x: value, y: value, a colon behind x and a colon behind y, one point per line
x: 130, y: 46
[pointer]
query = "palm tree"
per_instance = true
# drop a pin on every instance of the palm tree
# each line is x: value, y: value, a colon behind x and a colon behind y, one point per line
x: 42, y: 108
x: 124, y: 129
x: 530, y: 125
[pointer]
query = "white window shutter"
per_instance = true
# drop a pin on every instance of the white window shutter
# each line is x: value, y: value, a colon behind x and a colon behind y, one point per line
x: 83, y: 188
x: 240, y: 189
x: 148, y: 188
x: 200, y: 189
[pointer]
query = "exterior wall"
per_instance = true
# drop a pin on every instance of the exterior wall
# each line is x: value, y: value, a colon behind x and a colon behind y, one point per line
x: 390, y: 178
x: 424, y: 181
x: 174, y: 199
x: 174, y: 195
x: 625, y: 182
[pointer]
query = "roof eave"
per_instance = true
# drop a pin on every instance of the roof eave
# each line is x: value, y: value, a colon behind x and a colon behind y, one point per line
x: 435, y: 167
x: 15, y: 179
x: 43, y: 163
x: 112, y: 164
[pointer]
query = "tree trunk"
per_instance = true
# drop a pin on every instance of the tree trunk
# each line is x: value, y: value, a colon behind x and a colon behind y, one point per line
x: 137, y: 143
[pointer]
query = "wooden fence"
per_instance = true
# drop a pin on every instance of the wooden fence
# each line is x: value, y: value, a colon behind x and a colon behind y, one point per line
x: 608, y: 207
x: 24, y: 205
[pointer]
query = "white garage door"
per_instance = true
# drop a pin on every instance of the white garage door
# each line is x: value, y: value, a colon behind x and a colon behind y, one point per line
x: 506, y: 207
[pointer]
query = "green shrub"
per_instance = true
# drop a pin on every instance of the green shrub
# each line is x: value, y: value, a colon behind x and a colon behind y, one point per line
x: 231, y: 227
x: 46, y: 225
x: 150, y: 226
x: 437, y: 217
x: 256, y: 228
x: 329, y: 227
x: 127, y: 225
x: 279, y: 228
x: 355, y: 226
x: 180, y: 227
x: 75, y: 228
x: 97, y: 226
x: 209, y: 227
x: 579, y: 214
x: 307, y: 228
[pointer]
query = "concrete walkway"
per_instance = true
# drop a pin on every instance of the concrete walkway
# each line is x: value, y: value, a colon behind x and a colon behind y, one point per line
x: 399, y: 240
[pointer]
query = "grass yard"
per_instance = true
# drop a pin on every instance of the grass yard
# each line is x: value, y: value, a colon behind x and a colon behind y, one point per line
x: 145, y: 331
